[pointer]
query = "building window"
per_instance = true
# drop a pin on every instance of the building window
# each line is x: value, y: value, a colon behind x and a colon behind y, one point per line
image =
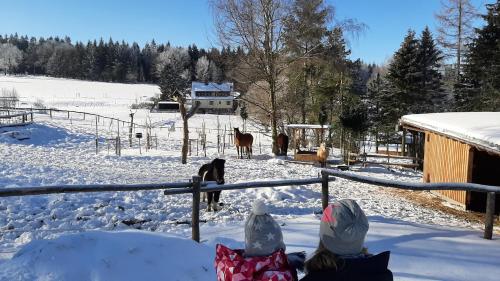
x: 219, y: 102
x: 211, y: 102
x: 228, y: 102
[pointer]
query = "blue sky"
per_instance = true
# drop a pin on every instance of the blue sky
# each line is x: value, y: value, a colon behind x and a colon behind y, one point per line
x: 184, y: 22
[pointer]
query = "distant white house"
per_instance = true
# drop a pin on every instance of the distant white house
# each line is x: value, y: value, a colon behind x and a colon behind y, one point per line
x: 214, y: 97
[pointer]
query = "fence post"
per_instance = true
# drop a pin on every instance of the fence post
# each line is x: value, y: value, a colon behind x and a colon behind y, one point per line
x: 96, y: 137
x: 324, y: 190
x: 195, y: 215
x: 489, y: 216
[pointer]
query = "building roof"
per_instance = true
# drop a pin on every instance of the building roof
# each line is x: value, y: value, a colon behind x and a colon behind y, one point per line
x: 211, y: 87
x: 481, y: 129
x: 307, y: 126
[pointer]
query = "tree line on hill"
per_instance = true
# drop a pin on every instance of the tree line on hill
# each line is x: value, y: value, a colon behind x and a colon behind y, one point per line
x: 110, y: 61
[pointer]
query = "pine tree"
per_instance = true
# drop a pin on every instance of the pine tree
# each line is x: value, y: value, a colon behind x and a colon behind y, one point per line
x: 403, y: 74
x: 429, y: 78
x: 479, y: 88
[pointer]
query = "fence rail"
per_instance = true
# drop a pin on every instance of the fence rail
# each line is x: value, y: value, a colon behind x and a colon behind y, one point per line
x: 196, y: 186
x: 488, y: 189
x: 84, y: 114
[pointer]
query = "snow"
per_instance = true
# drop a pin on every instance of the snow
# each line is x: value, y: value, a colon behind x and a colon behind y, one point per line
x: 122, y: 255
x: 427, y: 244
x: 480, y: 128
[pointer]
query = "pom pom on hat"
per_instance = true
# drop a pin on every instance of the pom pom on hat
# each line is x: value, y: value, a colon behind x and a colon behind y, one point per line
x: 259, y: 208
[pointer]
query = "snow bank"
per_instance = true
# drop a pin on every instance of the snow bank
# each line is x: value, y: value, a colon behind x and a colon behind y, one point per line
x: 480, y: 128
x: 96, y: 255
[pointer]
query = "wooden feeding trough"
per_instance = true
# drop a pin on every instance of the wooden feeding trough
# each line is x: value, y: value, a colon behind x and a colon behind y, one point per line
x: 301, y: 137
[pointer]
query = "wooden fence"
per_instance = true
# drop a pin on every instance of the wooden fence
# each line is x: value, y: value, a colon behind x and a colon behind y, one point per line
x: 490, y: 190
x: 16, y: 119
x: 196, y: 186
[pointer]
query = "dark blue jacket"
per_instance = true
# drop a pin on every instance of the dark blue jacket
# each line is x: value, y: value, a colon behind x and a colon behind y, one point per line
x: 373, y: 268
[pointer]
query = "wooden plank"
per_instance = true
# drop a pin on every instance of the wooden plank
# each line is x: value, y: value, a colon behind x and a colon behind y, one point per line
x: 382, y: 156
x: 404, y: 165
x: 446, y: 160
x: 490, y: 213
x: 195, y: 214
x: 324, y: 190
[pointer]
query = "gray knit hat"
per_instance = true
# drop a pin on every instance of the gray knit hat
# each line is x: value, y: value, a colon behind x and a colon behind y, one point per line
x: 343, y: 227
x: 262, y: 233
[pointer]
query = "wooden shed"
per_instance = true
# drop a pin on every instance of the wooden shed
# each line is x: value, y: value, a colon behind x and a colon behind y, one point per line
x: 460, y: 147
x: 305, y: 139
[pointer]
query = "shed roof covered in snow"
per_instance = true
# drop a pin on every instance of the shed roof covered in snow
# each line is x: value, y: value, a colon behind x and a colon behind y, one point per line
x: 481, y: 129
x: 307, y: 126
x: 211, y: 87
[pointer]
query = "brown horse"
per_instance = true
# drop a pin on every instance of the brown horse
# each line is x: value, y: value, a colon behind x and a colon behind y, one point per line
x: 243, y: 141
x: 282, y: 142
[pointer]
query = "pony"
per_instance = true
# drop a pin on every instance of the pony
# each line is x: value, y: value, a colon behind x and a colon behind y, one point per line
x: 322, y: 154
x: 282, y: 142
x: 243, y: 141
x: 213, y: 171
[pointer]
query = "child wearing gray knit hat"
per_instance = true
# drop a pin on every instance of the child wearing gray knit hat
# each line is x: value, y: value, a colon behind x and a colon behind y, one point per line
x: 340, y: 254
x: 343, y: 228
x: 262, y: 233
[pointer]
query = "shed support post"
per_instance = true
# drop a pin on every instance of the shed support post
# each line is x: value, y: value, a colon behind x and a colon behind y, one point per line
x: 403, y: 143
x: 489, y: 217
x: 324, y: 190
x: 195, y: 215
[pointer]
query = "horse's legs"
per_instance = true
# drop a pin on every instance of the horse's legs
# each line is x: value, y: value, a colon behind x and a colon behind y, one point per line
x: 210, y: 196
x: 215, y: 203
x: 203, y: 196
x: 216, y: 196
x: 238, y: 151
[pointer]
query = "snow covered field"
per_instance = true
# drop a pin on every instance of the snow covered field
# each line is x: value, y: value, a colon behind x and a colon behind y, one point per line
x: 426, y: 244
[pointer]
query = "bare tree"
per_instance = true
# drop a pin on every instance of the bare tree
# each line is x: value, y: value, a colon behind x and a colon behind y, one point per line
x: 202, y: 65
x: 456, y: 29
x: 257, y: 27
x: 10, y: 56
x: 174, y: 85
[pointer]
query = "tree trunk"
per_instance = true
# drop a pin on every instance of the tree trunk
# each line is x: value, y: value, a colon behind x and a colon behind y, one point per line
x: 459, y: 43
x: 185, y: 140
x: 274, y: 120
x: 185, y: 129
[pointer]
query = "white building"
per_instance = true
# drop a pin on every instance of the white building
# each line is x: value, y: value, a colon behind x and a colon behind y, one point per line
x: 214, y: 97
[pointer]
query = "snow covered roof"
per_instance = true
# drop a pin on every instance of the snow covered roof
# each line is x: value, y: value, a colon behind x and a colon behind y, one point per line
x: 480, y: 129
x: 307, y: 126
x: 211, y: 87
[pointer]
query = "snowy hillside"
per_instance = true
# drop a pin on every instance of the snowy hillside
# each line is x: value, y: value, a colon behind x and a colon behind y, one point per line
x: 426, y: 244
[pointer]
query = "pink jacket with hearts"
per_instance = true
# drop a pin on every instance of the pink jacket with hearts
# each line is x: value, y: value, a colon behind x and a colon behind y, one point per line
x: 231, y: 265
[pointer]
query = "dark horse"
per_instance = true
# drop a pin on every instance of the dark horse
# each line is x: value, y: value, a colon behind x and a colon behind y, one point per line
x: 243, y: 141
x: 213, y: 171
x: 282, y: 142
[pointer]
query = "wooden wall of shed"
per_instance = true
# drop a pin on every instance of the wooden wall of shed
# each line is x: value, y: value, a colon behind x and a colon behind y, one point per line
x: 447, y: 160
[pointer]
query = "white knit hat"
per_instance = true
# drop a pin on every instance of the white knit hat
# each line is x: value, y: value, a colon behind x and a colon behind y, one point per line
x: 262, y: 233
